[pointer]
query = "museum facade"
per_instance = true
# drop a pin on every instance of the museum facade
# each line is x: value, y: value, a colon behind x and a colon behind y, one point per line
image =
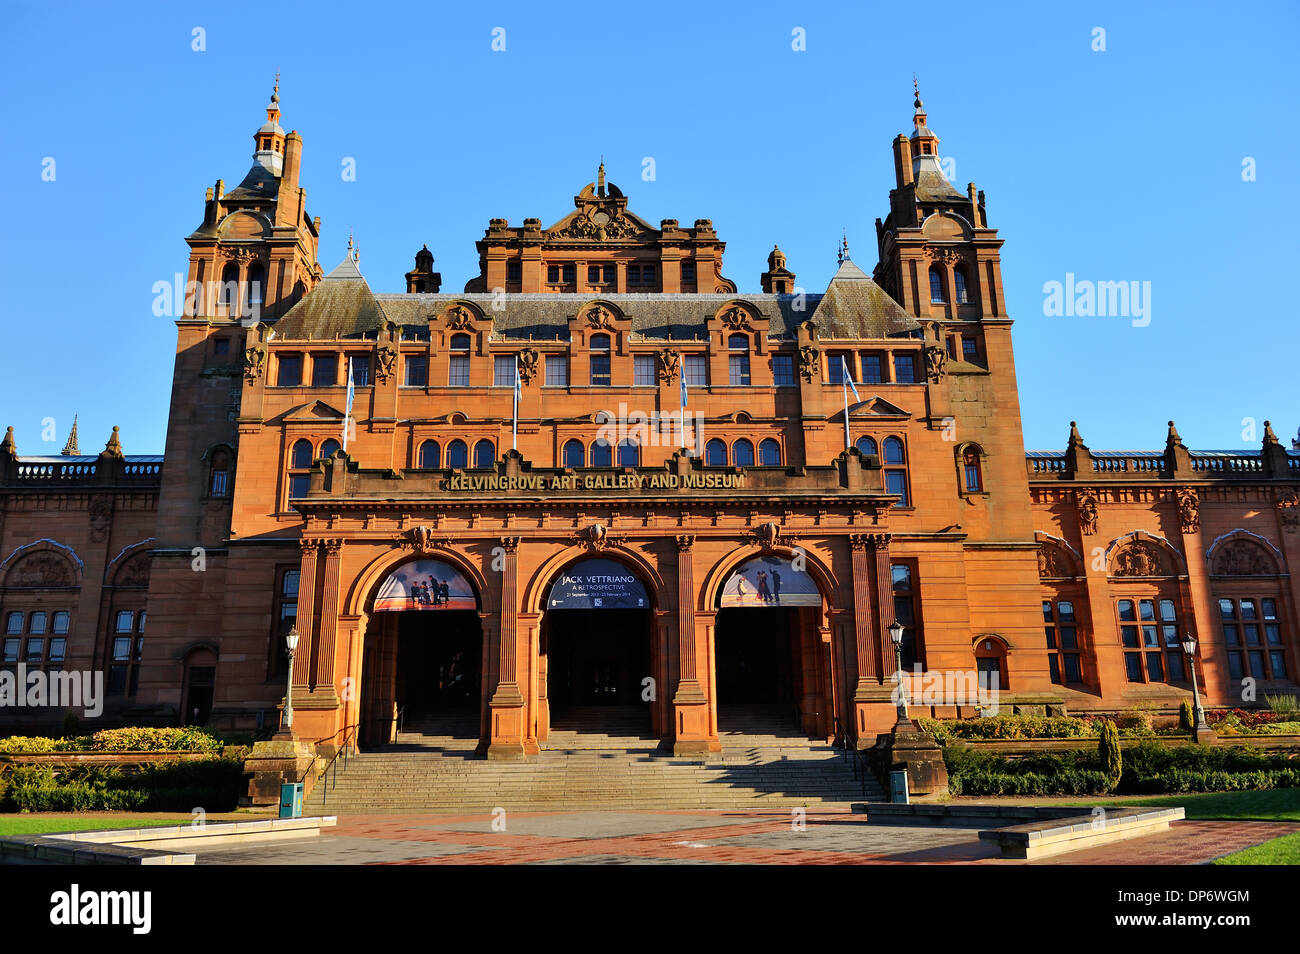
x: 603, y: 478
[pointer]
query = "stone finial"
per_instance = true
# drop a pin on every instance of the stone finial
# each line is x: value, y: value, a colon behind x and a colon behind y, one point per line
x: 1269, y: 436
x: 114, y: 446
x: 8, y: 446
x: 1172, y: 437
x: 70, y: 449
x: 1075, y: 439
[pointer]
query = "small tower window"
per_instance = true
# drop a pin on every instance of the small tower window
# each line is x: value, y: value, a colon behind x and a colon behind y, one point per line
x: 256, y: 282
x: 936, y: 286
x: 970, y: 465
x: 219, y: 474
x: 959, y: 285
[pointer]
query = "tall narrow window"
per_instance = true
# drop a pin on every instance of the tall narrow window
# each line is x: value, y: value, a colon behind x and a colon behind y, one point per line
x: 417, y: 371
x: 1151, y: 637
x: 573, y: 454
x: 715, y: 453
x: 458, y: 454
x: 971, y: 476
x: 219, y: 473
x: 903, y: 578
x: 936, y: 286
x: 300, y: 458
x: 769, y: 453
x: 286, y: 614
x: 738, y: 360
x: 1252, y: 633
x: 959, y: 286
x: 485, y: 455
x: 644, y: 371
x: 742, y: 453
x: 430, y: 455
x: 255, y: 282
x: 696, y: 369
x: 895, y: 461
x: 458, y: 363
x: 600, y: 360
x: 783, y: 370
x: 228, y: 293
x: 1062, y: 632
x: 557, y: 370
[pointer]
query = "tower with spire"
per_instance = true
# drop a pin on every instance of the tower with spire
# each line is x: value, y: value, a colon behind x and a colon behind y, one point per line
x: 70, y: 449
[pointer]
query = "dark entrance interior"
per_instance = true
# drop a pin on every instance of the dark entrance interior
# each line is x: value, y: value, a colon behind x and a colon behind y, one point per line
x: 757, y: 661
x: 439, y: 656
x: 597, y: 657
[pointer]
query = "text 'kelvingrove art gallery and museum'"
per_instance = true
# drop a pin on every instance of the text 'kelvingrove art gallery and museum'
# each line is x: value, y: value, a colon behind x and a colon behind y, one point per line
x: 605, y: 475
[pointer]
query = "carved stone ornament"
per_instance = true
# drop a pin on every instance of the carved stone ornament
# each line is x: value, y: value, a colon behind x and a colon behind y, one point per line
x: 1052, y: 562
x: 460, y: 318
x: 240, y: 254
x: 809, y: 361
x: 1288, y: 510
x: 254, y: 362
x: 597, y: 225
x: 599, y: 317
x: 1139, y: 559
x: 936, y: 359
x: 1189, y: 510
x: 596, y: 537
x: 1088, y: 513
x: 40, y: 569
x: 135, y: 572
x: 736, y: 318
x: 101, y: 517
x: 670, y: 363
x: 385, y: 362
x: 1243, y: 558
x: 529, y: 362
x: 421, y: 540
x: 685, y: 541
x: 944, y: 253
x: 767, y: 534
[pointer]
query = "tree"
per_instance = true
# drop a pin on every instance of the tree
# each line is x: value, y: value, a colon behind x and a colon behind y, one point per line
x: 1112, y: 759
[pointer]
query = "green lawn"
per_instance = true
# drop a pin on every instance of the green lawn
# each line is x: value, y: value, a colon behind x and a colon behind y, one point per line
x: 1279, y: 851
x: 1274, y: 804
x: 40, y: 824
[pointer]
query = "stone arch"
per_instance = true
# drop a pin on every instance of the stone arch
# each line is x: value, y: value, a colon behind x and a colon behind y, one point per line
x: 60, y: 552
x: 975, y: 641
x: 1243, y: 553
x: 533, y: 598
x: 361, y: 594
x: 1142, y: 545
x: 947, y: 225
x: 1056, y: 558
x: 716, y: 578
x: 134, y: 570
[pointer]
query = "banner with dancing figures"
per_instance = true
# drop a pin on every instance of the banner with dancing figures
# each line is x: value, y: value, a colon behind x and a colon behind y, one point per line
x: 769, y: 581
x: 425, y: 585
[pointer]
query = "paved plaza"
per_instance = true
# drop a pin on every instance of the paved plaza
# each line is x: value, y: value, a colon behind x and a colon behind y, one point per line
x: 702, y: 837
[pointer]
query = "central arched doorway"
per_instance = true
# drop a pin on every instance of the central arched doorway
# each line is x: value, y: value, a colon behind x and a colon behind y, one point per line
x: 422, y: 677
x: 769, y: 661
x: 596, y: 637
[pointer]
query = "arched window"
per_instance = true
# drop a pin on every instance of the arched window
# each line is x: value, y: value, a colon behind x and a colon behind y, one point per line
x: 715, y: 453
x: 255, y: 283
x: 959, y: 285
x: 228, y: 293
x: 769, y: 453
x: 991, y: 664
x: 485, y: 454
x: 602, y: 454
x: 457, y: 454
x: 742, y: 453
x: 972, y: 479
x: 574, y: 454
x: 300, y: 457
x: 458, y: 362
x: 629, y: 455
x: 866, y: 446
x: 896, y: 470
x: 738, y: 359
x: 600, y: 360
x: 430, y: 455
x: 219, y: 473
x: 936, y: 285
x: 328, y: 448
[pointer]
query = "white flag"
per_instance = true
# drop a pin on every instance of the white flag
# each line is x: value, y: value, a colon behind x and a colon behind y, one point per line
x: 848, y: 378
x: 347, y: 415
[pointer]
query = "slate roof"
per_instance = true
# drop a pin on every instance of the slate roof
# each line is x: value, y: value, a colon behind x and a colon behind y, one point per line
x: 856, y: 307
x: 342, y: 304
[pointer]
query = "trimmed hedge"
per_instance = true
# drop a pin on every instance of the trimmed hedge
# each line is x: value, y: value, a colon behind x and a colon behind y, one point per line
x: 1007, y: 727
x: 212, y: 784
x: 138, y: 739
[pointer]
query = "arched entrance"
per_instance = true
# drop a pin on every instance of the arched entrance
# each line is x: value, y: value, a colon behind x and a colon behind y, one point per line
x: 424, y: 652
x: 769, y: 661
x: 596, y: 638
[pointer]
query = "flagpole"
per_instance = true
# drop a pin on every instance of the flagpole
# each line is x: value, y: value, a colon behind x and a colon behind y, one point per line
x: 514, y: 424
x: 848, y: 440
x: 347, y: 414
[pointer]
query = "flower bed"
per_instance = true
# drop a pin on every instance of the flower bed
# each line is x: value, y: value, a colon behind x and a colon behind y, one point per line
x: 186, y: 739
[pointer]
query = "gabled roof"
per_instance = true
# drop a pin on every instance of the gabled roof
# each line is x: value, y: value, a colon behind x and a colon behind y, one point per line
x: 342, y: 304
x: 854, y: 306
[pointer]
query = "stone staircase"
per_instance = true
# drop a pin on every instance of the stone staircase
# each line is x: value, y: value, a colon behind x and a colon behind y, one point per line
x: 595, y: 760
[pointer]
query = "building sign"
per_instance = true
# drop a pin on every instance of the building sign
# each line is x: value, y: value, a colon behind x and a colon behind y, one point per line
x: 769, y: 581
x: 538, y: 483
x: 425, y: 585
x: 597, y: 584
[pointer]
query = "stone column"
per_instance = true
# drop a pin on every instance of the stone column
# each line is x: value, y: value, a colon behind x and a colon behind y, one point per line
x: 691, y: 735
x: 329, y: 618
x: 868, y: 667
x: 507, y: 704
x: 306, y: 609
x: 879, y: 542
x: 873, y: 701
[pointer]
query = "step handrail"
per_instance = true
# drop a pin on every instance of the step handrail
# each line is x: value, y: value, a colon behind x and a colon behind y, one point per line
x: 330, y: 775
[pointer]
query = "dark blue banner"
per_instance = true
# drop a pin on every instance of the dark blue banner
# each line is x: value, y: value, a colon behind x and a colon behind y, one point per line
x: 597, y: 584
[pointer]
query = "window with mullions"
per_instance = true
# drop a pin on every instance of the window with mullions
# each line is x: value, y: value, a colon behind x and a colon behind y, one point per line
x: 485, y: 455
x: 503, y: 370
x: 629, y: 454
x: 937, y: 296
x: 430, y: 455
x: 769, y: 453
x: 742, y: 453
x: 600, y: 360
x: 324, y: 370
x: 33, y: 649
x: 715, y: 453
x: 299, y: 464
x: 1062, y: 632
x: 873, y: 369
x: 417, y: 371
x: 835, y: 364
x: 895, y: 463
x: 959, y: 286
x: 696, y: 369
x: 359, y: 368
x: 1252, y: 634
x: 601, y: 274
x: 643, y: 371
x: 286, y: 615
x: 1152, y: 641
x: 125, y: 650
x: 970, y: 466
x: 458, y: 362
x: 738, y: 360
x: 866, y: 447
x: 573, y: 454
x: 906, y: 594
x: 557, y: 370
x: 458, y: 454
x: 602, y: 454
x: 904, y: 369
x: 290, y: 371
x: 783, y: 370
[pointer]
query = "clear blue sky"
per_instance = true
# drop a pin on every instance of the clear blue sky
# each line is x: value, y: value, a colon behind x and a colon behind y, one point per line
x: 1117, y: 165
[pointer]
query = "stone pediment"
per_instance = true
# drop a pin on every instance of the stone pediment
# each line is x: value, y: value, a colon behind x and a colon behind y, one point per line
x: 876, y: 406
x: 315, y: 411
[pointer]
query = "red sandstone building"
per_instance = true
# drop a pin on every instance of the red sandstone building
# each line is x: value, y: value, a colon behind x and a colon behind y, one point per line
x: 517, y: 555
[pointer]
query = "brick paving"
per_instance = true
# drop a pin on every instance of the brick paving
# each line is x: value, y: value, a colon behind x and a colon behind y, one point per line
x: 700, y: 837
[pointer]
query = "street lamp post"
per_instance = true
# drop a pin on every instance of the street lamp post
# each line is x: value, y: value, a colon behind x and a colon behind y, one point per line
x: 896, y: 635
x: 290, y: 645
x: 1199, y: 725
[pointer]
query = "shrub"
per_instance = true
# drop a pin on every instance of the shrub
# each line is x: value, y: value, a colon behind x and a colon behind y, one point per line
x: 212, y: 784
x: 1185, y: 716
x: 186, y: 739
x: 1006, y: 727
x: 1109, y: 752
x: 1283, y: 706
